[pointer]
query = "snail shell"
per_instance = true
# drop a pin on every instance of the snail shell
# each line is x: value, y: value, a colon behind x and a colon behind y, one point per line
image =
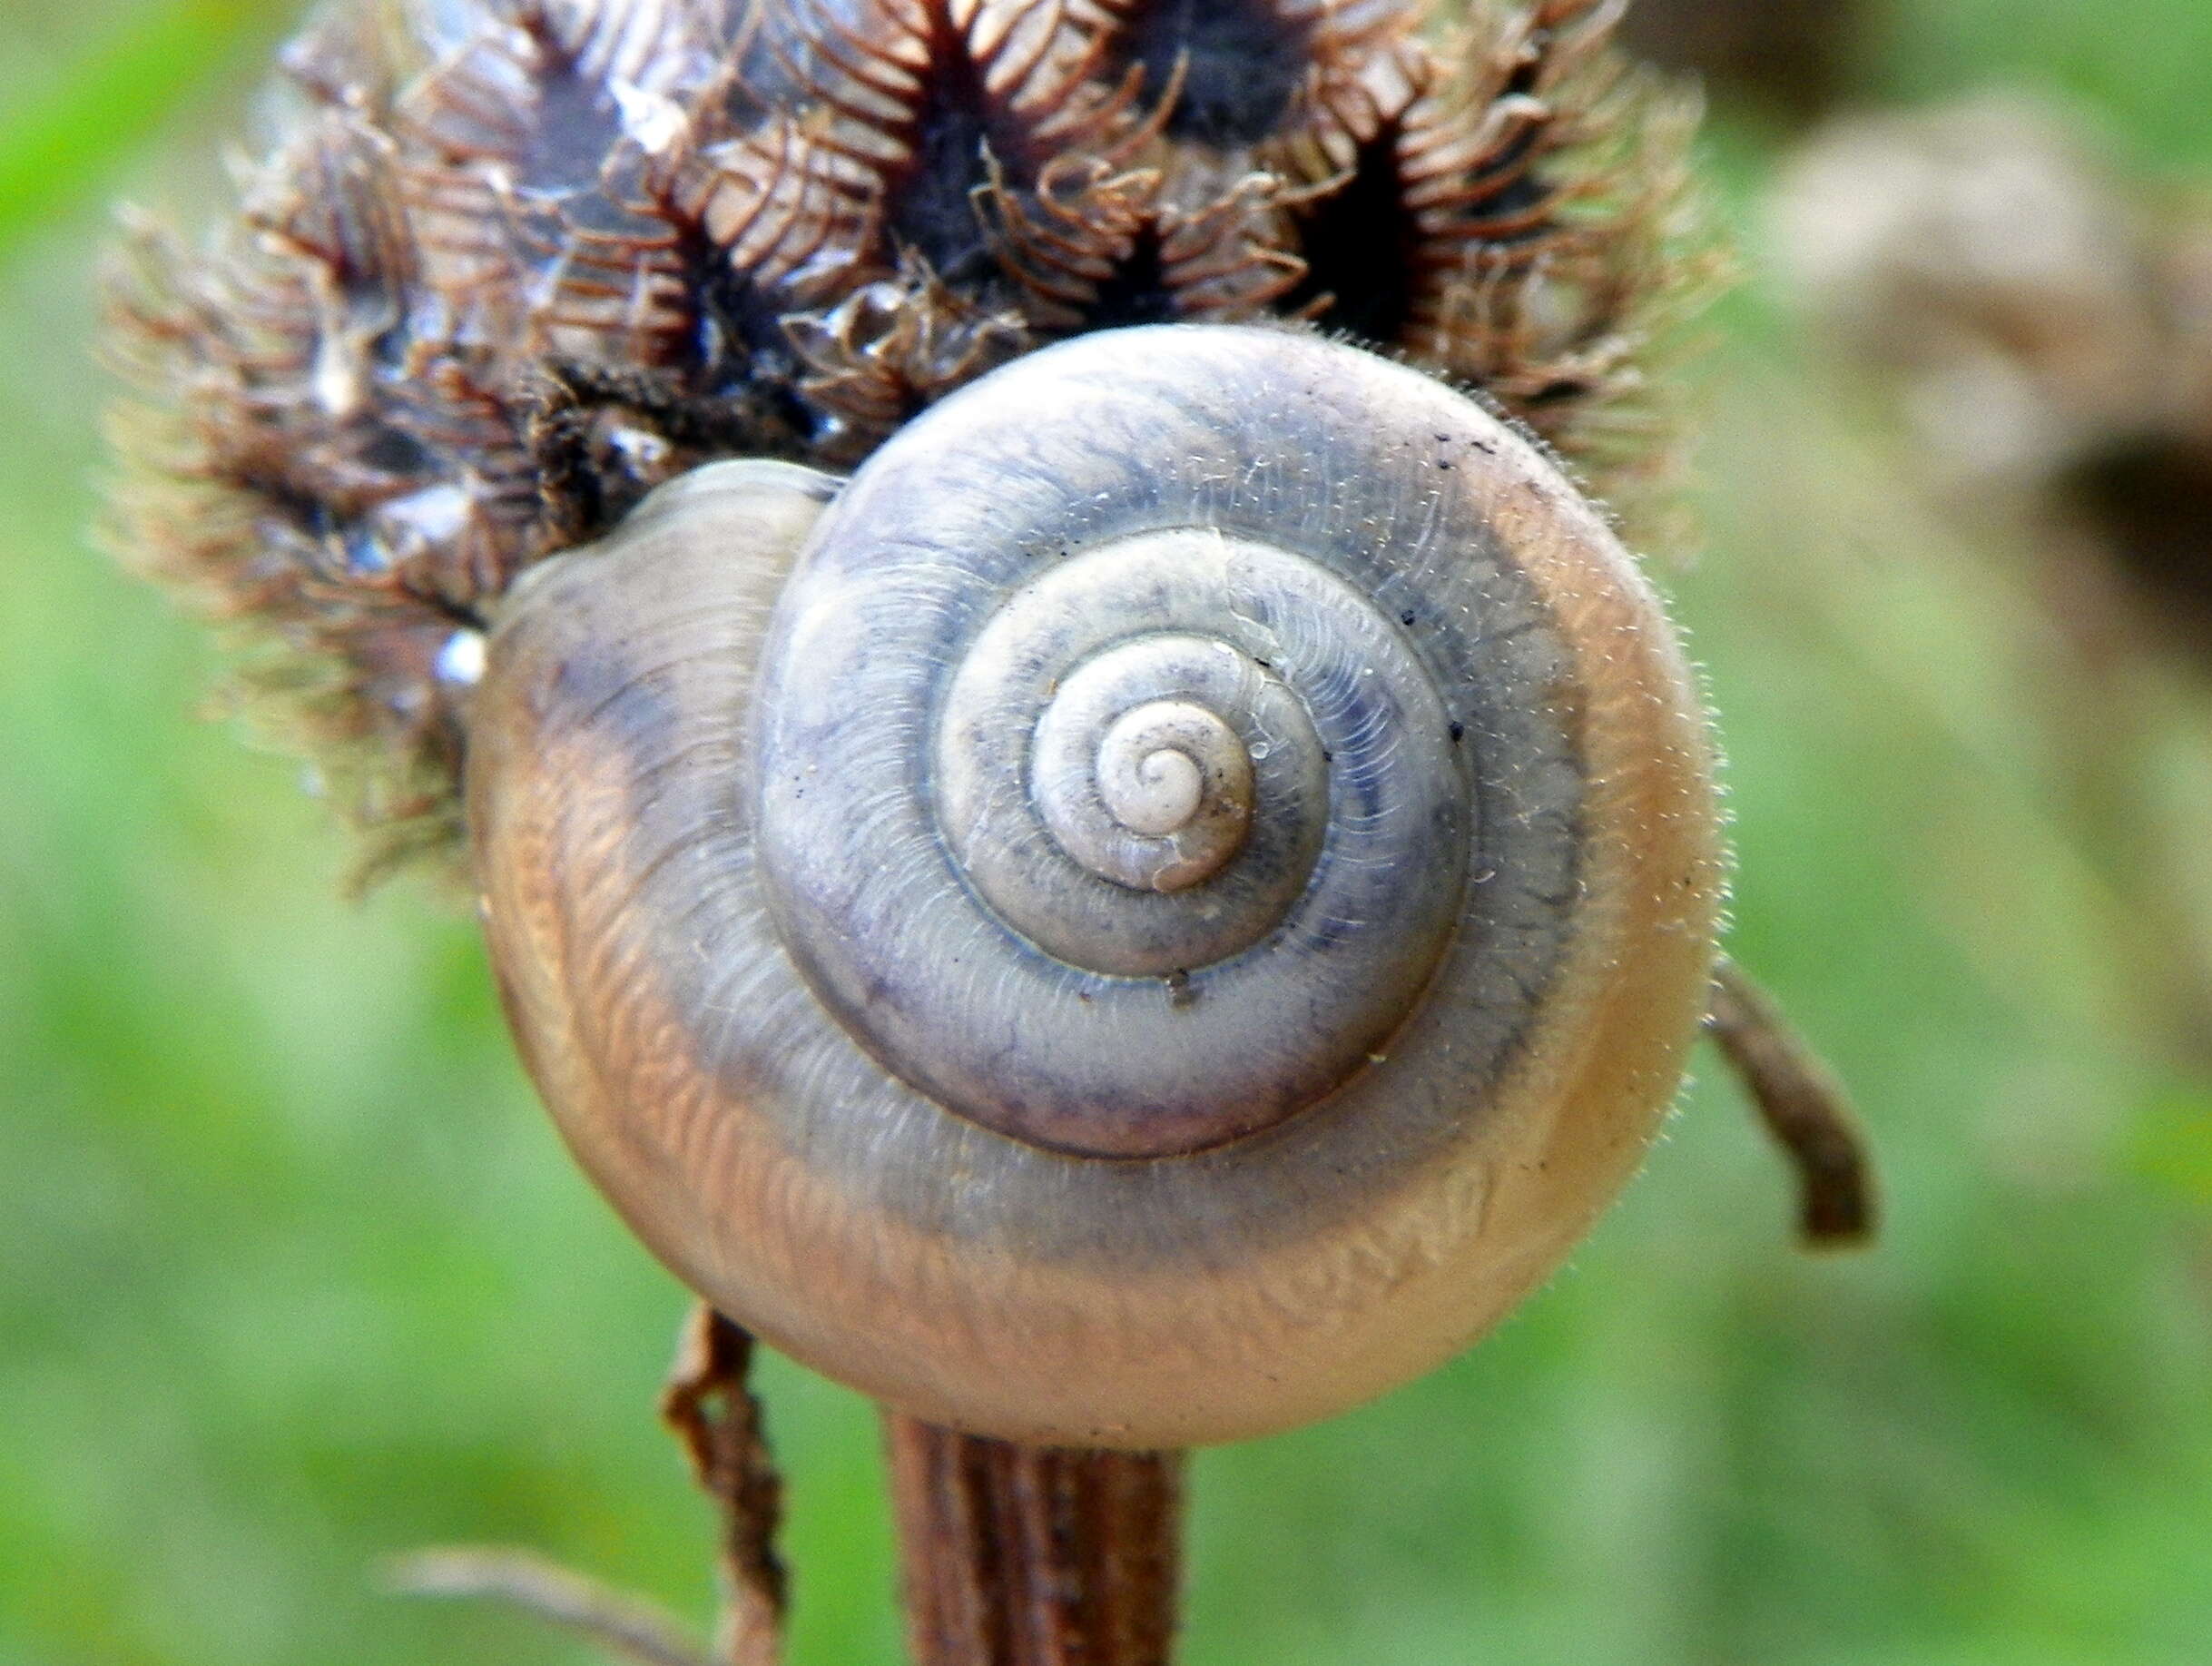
x: 1155, y: 913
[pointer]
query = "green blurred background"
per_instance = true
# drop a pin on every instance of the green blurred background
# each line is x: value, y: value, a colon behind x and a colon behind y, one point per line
x: 293, y: 1275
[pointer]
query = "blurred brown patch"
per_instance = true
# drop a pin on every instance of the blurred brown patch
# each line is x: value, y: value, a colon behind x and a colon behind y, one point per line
x: 1794, y: 56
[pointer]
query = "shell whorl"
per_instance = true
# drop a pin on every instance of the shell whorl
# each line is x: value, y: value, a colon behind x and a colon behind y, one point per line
x: 1223, y: 530
x: 823, y: 866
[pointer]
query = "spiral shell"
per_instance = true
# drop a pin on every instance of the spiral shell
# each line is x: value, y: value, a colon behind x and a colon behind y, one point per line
x: 1160, y: 912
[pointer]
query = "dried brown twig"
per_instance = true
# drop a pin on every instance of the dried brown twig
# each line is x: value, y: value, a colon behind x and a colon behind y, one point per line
x: 1012, y: 1555
x: 1803, y: 1106
x: 710, y: 1407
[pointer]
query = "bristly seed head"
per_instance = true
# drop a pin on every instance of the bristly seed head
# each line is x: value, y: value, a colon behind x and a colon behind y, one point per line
x: 516, y: 261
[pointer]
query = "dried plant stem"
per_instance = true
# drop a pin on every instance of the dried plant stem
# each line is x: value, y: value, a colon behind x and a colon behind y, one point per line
x: 1034, y: 1556
x: 1804, y: 1107
x: 620, y: 1625
x: 710, y: 1407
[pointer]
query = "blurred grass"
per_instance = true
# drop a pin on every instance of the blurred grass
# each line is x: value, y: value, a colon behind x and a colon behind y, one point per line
x: 60, y: 138
x: 295, y: 1275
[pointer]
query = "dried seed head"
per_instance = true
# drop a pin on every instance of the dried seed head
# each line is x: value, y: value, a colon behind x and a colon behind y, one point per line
x: 516, y: 262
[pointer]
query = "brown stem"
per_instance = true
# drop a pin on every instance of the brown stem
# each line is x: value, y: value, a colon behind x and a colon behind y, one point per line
x: 1804, y: 1107
x: 1032, y: 1555
x: 710, y: 1407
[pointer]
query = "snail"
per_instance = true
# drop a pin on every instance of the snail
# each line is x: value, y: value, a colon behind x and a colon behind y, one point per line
x: 1154, y: 913
x: 1070, y: 827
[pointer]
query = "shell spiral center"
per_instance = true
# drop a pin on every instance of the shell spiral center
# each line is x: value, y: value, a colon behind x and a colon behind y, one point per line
x: 1174, y: 780
x: 1124, y: 771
